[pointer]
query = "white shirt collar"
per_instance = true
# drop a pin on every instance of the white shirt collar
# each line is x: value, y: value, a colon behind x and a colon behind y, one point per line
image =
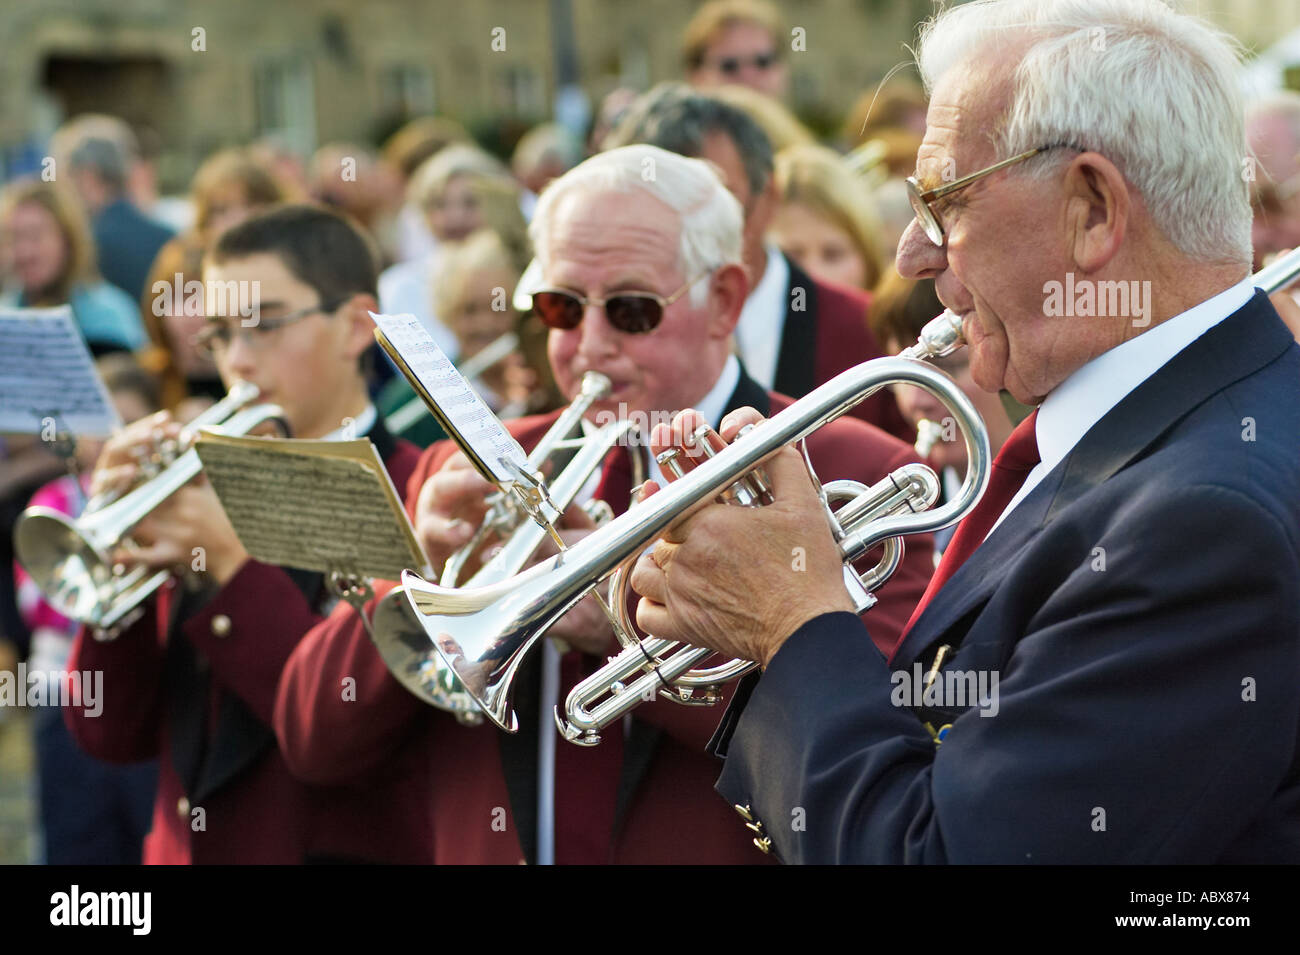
x: 758, y: 333
x: 359, y: 428
x: 1084, y: 398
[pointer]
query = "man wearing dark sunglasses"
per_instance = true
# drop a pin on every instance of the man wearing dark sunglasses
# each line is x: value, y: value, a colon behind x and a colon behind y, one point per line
x: 736, y: 42
x: 201, y: 699
x: 639, y: 251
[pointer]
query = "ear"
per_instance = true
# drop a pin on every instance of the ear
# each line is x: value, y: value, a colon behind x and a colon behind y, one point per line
x: 359, y: 330
x: 728, y: 289
x: 1097, y: 210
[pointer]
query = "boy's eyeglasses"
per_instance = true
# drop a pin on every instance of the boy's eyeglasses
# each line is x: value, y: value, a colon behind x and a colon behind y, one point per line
x: 216, y: 338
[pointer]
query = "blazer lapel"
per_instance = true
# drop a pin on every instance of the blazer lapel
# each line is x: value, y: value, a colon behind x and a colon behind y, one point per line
x: 796, y: 365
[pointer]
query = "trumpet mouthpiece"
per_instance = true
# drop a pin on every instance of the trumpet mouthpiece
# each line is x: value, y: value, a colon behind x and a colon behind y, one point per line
x: 940, y: 336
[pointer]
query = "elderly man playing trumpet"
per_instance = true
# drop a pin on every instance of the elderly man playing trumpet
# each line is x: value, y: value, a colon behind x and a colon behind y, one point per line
x: 640, y: 251
x: 1126, y: 597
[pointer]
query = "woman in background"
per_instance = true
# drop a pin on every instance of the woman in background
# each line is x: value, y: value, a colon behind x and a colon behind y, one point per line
x: 826, y: 220
x: 445, y: 187
x: 229, y: 187
x: 472, y: 291
x: 51, y: 261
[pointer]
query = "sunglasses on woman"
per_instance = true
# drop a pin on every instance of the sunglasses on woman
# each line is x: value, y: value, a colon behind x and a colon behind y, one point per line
x: 635, y: 313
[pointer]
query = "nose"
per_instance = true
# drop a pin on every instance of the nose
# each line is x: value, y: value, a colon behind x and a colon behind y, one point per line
x: 599, y: 338
x: 918, y: 257
x: 238, y: 361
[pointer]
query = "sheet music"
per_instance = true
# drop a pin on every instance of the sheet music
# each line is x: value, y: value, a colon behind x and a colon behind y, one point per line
x: 459, y: 403
x: 47, y: 373
x: 316, y: 505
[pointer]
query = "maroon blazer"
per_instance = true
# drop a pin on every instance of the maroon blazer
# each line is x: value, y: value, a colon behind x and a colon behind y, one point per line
x: 194, y: 684
x: 481, y: 782
x: 827, y: 335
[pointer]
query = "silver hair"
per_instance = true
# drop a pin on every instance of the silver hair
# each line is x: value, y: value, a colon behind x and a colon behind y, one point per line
x: 1153, y: 90
x: 711, y: 218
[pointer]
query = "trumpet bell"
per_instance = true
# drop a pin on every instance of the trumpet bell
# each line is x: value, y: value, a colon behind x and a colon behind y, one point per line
x: 405, y: 650
x: 75, y: 577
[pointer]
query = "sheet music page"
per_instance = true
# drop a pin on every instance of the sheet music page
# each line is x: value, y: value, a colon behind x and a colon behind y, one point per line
x: 317, y: 505
x: 47, y: 375
x: 474, y: 426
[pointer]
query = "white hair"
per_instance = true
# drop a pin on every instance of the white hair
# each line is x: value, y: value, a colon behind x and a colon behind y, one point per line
x: 711, y: 218
x: 1153, y: 90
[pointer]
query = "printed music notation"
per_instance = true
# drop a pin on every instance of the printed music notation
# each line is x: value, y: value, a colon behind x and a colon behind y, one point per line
x: 452, y: 399
x: 47, y: 375
x: 314, y: 505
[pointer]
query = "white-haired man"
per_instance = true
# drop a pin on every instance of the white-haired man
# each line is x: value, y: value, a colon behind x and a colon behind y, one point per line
x: 1125, y: 601
x: 640, y: 252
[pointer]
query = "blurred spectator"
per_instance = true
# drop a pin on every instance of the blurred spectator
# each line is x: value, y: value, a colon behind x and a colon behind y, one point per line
x: 613, y: 107
x: 352, y: 179
x: 795, y: 332
x: 99, y: 155
x: 174, y: 212
x: 902, y: 307
x: 781, y: 127
x: 897, y: 105
x: 444, y: 189
x: 736, y: 41
x: 1273, y: 136
x: 286, y: 166
x: 230, y: 186
x: 48, y: 247
x: 405, y: 151
x: 826, y: 221
x: 91, y: 812
x: 545, y: 152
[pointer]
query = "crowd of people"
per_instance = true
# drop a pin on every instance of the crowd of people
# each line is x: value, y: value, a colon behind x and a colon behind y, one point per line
x: 703, y: 250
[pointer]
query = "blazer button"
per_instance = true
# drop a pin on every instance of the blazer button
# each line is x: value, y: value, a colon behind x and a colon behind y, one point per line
x: 745, y: 811
x: 764, y: 844
x: 220, y: 625
x: 183, y: 808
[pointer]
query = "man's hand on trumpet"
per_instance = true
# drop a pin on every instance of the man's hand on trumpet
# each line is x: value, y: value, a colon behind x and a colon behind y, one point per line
x: 451, y: 506
x: 187, y: 531
x: 733, y: 578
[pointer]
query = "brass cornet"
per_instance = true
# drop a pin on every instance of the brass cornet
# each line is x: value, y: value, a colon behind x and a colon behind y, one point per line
x: 395, y: 629
x: 483, y: 633
x: 69, y: 560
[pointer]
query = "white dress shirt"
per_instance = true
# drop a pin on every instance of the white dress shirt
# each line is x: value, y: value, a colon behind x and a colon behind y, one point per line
x: 1083, y: 399
x: 762, y: 320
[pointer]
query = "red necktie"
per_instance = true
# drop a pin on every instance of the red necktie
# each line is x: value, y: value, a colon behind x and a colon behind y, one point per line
x: 587, y: 777
x: 1010, y: 468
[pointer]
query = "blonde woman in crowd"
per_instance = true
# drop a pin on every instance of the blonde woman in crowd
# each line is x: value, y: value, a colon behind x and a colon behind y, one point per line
x: 444, y: 189
x: 826, y: 220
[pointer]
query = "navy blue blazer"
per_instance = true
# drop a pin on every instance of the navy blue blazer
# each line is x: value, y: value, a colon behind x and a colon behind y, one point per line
x: 1141, y: 610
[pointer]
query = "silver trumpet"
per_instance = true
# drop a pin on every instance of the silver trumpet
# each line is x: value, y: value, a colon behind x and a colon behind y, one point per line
x: 484, y: 632
x: 395, y: 628
x: 70, y: 561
